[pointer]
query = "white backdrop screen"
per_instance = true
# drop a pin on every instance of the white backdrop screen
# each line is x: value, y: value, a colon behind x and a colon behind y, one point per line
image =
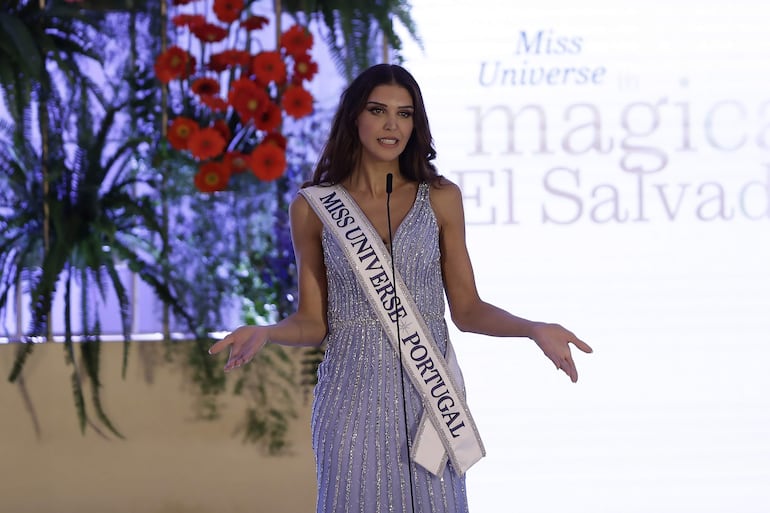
x: 615, y: 162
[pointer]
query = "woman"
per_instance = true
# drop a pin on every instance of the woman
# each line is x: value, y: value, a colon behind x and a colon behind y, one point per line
x: 366, y: 411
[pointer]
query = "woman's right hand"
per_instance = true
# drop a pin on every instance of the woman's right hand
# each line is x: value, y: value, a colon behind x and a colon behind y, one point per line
x: 244, y: 343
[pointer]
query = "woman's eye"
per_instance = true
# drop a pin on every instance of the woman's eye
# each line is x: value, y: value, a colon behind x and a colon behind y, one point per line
x: 376, y: 110
x: 405, y: 114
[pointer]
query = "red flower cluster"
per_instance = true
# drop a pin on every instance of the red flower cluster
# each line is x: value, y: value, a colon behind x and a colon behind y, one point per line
x: 297, y: 40
x: 228, y: 10
x: 241, y: 97
x: 174, y: 63
x: 212, y: 177
x: 208, y: 32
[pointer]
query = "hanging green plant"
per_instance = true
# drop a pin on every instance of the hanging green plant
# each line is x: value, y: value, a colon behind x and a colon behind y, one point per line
x: 98, y: 225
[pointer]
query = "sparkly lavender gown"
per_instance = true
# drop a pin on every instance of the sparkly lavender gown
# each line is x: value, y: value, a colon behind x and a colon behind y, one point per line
x: 358, y: 413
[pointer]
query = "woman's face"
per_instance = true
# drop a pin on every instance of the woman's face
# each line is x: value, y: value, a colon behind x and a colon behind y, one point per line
x: 385, y: 124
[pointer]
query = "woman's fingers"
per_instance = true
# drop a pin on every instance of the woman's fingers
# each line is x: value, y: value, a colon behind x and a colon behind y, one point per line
x: 558, y: 350
x: 582, y: 345
x: 236, y: 359
x: 244, y: 344
x: 221, y: 344
x: 568, y: 366
x: 232, y: 364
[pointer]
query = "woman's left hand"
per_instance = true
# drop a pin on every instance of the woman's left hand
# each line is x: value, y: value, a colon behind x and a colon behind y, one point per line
x: 554, y: 341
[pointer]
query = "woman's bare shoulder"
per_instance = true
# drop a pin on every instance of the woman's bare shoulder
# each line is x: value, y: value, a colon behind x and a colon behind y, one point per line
x: 445, y: 197
x: 302, y: 215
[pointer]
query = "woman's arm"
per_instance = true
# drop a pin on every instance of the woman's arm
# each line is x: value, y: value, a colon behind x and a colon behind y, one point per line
x: 469, y: 312
x: 307, y: 325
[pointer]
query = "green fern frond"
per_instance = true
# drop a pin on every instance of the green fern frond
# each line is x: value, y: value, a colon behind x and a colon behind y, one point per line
x: 77, y: 389
x: 90, y: 352
x: 125, y: 314
x: 20, y: 358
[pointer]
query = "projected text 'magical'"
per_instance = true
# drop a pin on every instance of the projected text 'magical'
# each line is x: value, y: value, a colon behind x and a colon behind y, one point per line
x: 640, y: 161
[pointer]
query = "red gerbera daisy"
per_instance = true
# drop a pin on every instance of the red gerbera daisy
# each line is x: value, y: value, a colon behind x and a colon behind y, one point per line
x: 268, y: 162
x: 174, y: 63
x: 212, y: 177
x: 206, y: 143
x: 220, y: 125
x: 276, y: 139
x: 304, y: 68
x: 269, y: 67
x: 237, y: 162
x: 205, y: 86
x: 254, y: 22
x: 297, y: 102
x: 228, y: 10
x: 228, y: 58
x: 270, y: 119
x: 180, y: 131
x: 248, y: 100
x: 215, y: 103
x: 297, y: 40
x: 188, y: 20
x: 209, y: 33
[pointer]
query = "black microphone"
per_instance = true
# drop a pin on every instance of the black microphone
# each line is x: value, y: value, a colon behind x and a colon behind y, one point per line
x: 389, y: 190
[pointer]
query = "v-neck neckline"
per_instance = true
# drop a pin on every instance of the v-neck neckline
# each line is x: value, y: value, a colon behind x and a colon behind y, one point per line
x: 396, y: 231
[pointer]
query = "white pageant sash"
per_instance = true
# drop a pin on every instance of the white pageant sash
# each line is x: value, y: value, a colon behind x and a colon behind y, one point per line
x: 446, y: 429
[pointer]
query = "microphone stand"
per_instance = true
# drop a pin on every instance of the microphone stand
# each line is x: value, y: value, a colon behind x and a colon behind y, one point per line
x: 389, y: 190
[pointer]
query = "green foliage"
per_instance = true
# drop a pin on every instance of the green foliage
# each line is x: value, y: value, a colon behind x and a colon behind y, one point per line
x: 269, y: 384
x: 76, y: 206
x: 44, y: 49
x: 354, y: 30
x: 235, y: 248
x: 98, y: 224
